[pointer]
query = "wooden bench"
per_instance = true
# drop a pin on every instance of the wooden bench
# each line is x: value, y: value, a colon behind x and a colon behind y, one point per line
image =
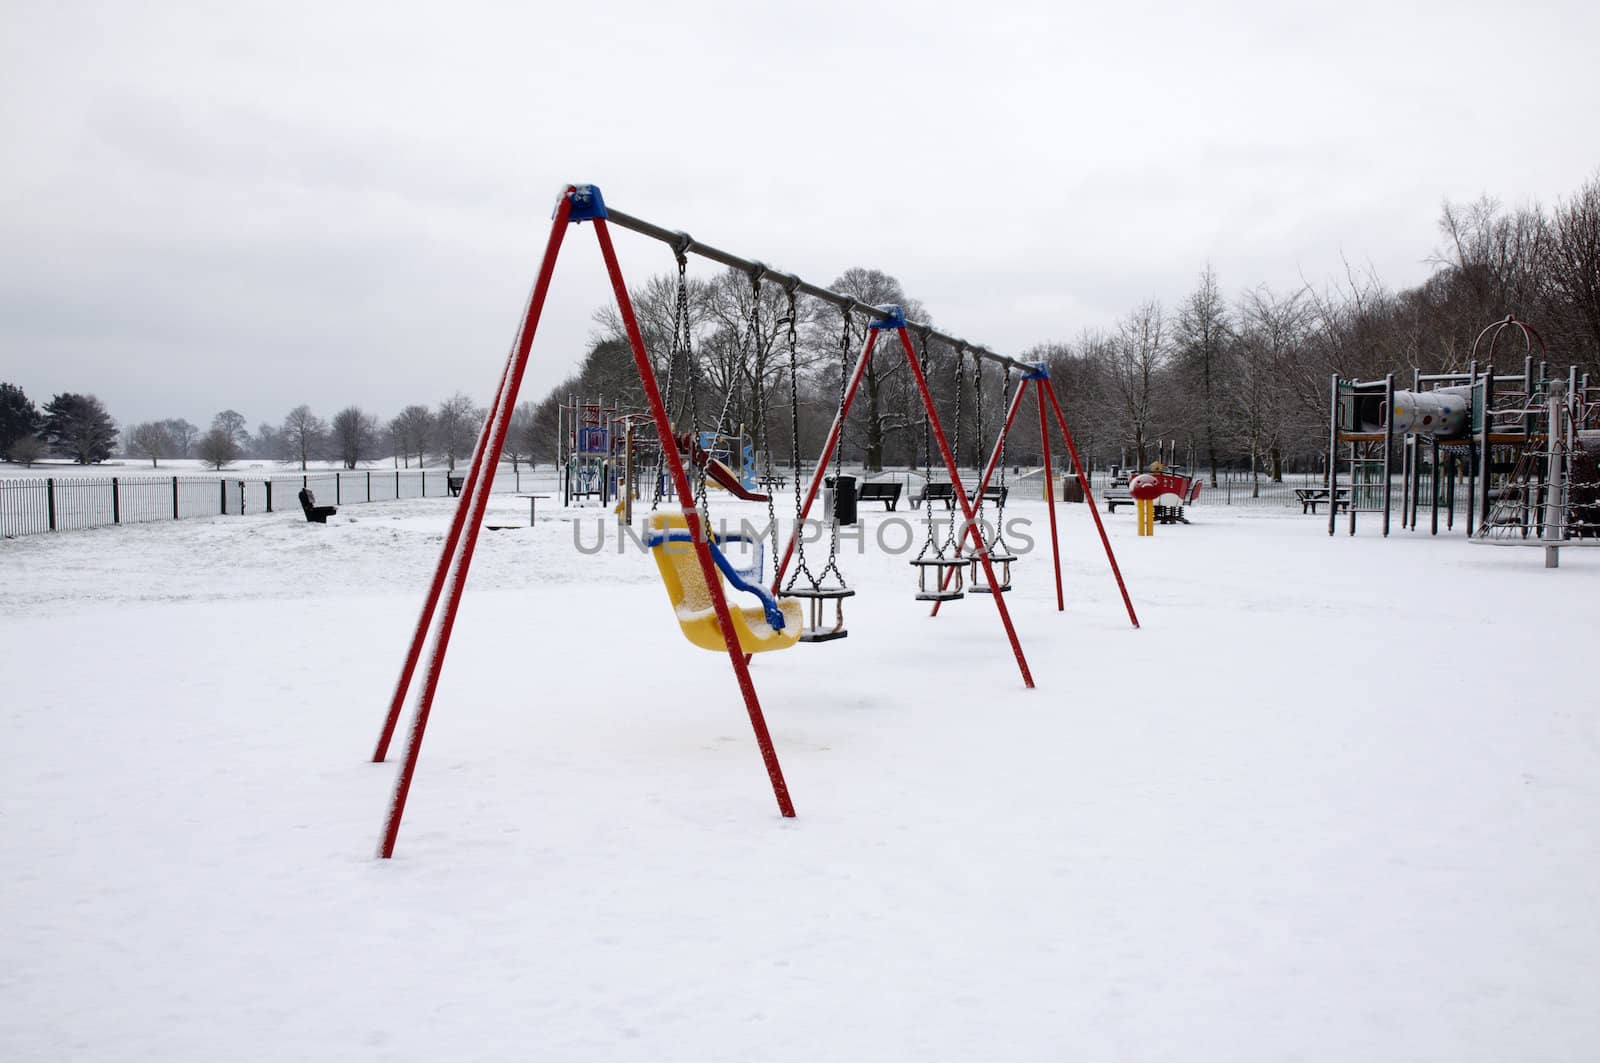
x: 1312, y: 497
x: 935, y: 492
x: 946, y: 493
x: 994, y: 493
x: 885, y: 491
x: 315, y: 514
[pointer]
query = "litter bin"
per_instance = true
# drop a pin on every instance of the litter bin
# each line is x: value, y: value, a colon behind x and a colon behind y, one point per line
x: 842, y: 496
x: 1071, y: 488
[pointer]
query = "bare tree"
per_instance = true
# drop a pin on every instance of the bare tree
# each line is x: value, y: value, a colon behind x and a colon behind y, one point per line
x: 233, y: 424
x: 1574, y: 267
x: 655, y: 308
x: 519, y: 434
x: 882, y: 417
x: 1202, y: 334
x: 303, y: 434
x: 183, y: 436
x: 217, y: 448
x: 354, y: 435
x: 456, y: 427
x: 1141, y: 350
x: 412, y: 430
x: 744, y: 361
x: 1258, y: 397
x: 270, y: 442
x: 150, y: 439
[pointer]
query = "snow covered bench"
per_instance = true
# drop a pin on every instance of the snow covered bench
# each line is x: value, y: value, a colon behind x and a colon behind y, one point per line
x: 1312, y: 497
x: 315, y: 514
x: 946, y: 493
x: 885, y: 491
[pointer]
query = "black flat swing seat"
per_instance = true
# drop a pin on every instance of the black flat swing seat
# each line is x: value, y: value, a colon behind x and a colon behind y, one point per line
x: 1001, y: 563
x: 940, y: 591
x: 816, y: 629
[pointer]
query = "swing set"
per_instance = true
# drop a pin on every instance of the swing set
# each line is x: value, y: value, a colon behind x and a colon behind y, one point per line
x: 690, y: 557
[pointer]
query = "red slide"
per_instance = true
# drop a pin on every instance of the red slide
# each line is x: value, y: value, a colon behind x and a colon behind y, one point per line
x: 724, y: 476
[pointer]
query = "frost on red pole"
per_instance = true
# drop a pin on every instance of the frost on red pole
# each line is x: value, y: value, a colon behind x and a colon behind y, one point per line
x: 988, y: 471
x: 961, y: 496
x: 1050, y: 498
x: 425, y: 621
x: 1088, y: 496
x: 489, y: 458
x: 694, y: 519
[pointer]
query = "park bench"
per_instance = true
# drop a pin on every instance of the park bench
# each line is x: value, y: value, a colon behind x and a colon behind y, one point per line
x: 994, y: 493
x: 315, y: 514
x: 939, y: 492
x: 885, y: 491
x: 946, y: 493
x: 1312, y: 497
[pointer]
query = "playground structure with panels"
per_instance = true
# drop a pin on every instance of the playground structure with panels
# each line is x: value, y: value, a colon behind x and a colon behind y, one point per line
x: 1520, y: 446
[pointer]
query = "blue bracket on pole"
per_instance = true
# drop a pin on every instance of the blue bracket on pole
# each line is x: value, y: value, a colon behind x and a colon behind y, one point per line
x: 1040, y: 372
x: 896, y: 318
x: 587, y: 204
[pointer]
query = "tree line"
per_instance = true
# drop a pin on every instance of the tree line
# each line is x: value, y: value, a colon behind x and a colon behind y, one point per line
x: 1226, y: 381
x: 79, y: 427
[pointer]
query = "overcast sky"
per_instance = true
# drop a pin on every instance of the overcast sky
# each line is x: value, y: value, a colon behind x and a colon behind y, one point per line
x: 254, y: 205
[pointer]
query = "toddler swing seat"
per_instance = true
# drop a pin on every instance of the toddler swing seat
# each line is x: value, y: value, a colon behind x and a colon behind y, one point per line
x: 774, y: 624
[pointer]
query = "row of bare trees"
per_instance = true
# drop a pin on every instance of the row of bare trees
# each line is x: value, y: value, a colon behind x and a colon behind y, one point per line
x: 1236, y: 382
x: 446, y: 433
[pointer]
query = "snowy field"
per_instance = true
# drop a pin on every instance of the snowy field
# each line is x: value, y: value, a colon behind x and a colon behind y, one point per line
x: 1337, y: 801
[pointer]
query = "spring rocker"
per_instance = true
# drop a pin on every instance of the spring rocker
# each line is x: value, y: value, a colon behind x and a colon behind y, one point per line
x: 1145, y: 489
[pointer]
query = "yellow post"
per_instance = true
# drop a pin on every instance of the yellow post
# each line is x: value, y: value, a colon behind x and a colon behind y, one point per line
x: 1146, y: 512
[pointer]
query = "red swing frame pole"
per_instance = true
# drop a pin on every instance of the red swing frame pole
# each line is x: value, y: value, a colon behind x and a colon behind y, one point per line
x: 420, y: 636
x: 1050, y: 499
x: 1088, y: 496
x: 694, y: 519
x: 982, y: 552
x: 827, y: 455
x: 988, y: 471
x: 488, y: 458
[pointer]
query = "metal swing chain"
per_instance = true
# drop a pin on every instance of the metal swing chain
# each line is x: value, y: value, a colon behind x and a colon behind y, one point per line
x: 678, y: 345
x: 846, y: 338
x: 794, y: 440
x: 766, y: 429
x: 953, y: 542
x: 932, y: 542
x: 977, y: 418
x: 999, y: 543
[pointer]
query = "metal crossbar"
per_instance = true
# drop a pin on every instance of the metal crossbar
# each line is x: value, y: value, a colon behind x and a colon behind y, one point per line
x: 685, y: 244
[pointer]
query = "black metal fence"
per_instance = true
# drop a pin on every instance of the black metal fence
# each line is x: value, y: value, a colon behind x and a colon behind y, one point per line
x: 1262, y: 492
x: 29, y: 506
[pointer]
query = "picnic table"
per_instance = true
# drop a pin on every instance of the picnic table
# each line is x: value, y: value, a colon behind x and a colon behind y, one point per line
x: 1312, y: 497
x: 533, y: 502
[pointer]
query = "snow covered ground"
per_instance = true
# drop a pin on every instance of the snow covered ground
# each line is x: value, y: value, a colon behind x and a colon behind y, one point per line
x: 1336, y: 801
